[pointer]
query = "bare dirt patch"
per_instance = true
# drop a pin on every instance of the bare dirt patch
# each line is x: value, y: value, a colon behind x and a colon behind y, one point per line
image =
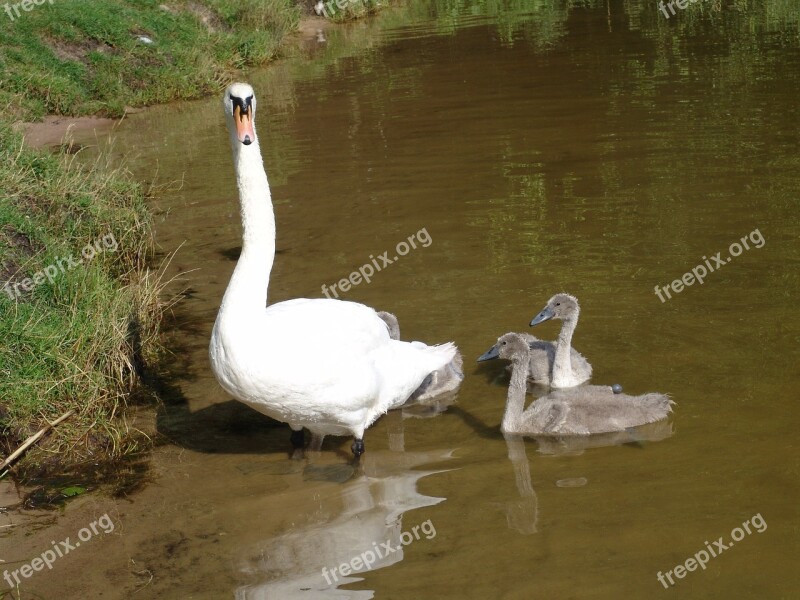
x: 75, y: 51
x: 212, y: 21
x: 53, y: 130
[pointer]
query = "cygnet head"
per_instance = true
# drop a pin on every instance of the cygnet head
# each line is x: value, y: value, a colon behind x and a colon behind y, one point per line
x: 561, y: 306
x: 392, y: 324
x: 512, y: 346
x: 240, y: 112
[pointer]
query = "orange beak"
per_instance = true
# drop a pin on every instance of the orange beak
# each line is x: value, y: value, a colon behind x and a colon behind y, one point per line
x: 244, y: 125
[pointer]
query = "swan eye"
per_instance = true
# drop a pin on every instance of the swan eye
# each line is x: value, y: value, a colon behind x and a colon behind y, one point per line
x: 558, y: 303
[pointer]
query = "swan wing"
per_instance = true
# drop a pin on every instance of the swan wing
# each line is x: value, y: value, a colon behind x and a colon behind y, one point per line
x: 334, y: 325
x: 596, y: 409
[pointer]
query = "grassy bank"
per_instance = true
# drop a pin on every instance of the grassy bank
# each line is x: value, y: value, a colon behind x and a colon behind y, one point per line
x: 78, y: 57
x: 79, y: 312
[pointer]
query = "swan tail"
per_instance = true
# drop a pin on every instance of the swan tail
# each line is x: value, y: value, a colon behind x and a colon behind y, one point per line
x: 405, y: 366
x: 441, y: 381
x: 656, y: 406
x: 457, y: 364
x: 442, y: 355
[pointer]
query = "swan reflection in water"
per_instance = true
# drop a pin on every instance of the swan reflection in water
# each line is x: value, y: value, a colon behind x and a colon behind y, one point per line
x: 522, y: 515
x: 371, y: 524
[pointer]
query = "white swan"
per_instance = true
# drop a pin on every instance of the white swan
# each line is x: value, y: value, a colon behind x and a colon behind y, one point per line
x: 569, y: 367
x: 581, y: 410
x: 327, y: 365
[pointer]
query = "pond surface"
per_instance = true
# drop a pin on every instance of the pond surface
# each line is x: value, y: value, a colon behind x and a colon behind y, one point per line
x: 596, y: 148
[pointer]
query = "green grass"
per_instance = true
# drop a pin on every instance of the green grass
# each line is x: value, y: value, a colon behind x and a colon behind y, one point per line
x: 73, y: 341
x: 76, y: 57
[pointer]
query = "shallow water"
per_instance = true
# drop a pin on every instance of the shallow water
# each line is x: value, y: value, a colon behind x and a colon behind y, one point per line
x: 600, y: 150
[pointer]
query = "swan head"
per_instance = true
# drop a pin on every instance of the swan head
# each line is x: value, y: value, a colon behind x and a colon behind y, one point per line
x: 494, y: 352
x: 240, y: 112
x: 513, y: 347
x: 560, y: 306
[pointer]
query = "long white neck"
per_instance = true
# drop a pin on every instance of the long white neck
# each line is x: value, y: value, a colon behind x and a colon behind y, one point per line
x: 247, y: 290
x: 562, y: 363
x: 515, y: 403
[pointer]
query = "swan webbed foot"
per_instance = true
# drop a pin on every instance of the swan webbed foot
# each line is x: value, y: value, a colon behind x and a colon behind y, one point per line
x: 298, y: 439
x: 357, y: 447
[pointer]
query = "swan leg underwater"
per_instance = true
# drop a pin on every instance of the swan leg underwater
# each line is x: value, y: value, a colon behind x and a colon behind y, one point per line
x: 327, y: 365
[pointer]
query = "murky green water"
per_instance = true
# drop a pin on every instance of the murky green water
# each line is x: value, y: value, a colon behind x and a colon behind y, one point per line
x: 596, y: 148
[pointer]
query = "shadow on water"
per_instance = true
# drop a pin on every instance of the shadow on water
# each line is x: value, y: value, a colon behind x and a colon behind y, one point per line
x: 224, y: 427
